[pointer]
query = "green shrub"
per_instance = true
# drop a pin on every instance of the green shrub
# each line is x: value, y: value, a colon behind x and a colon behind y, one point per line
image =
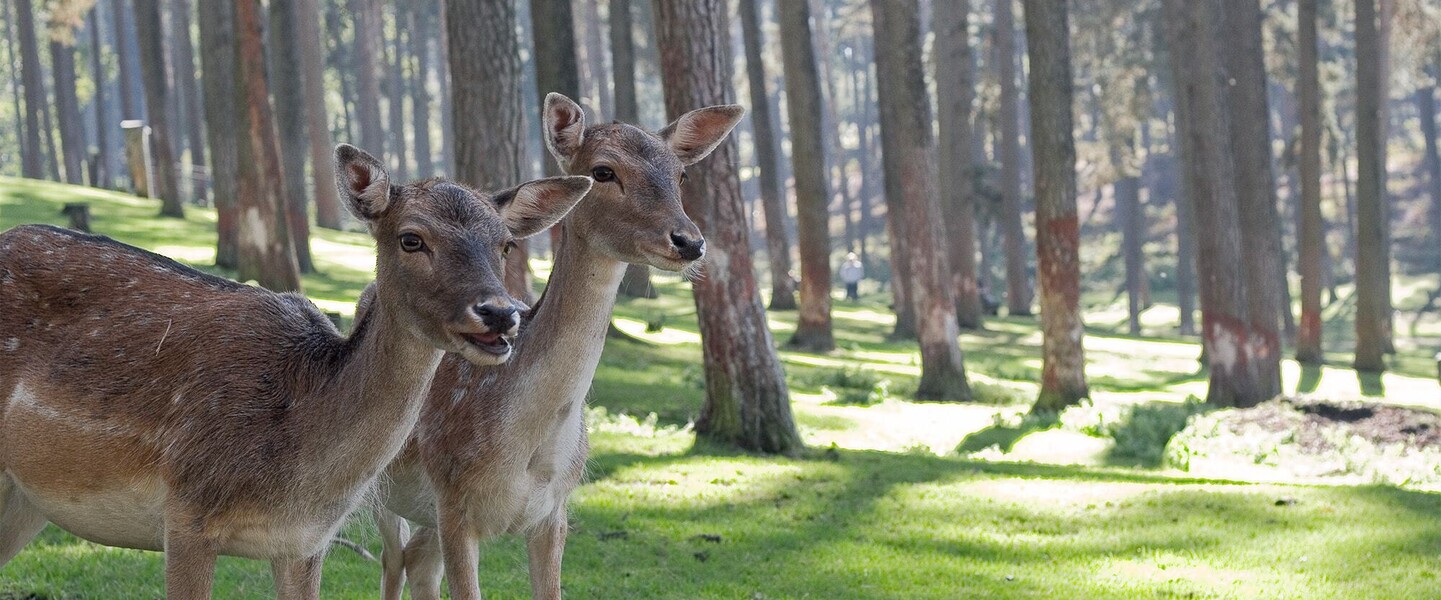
x: 1142, y: 433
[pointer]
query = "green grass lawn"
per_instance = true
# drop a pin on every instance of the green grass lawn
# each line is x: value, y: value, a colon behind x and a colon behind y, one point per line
x: 884, y: 506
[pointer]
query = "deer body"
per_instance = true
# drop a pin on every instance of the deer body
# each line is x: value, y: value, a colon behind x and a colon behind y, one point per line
x: 499, y: 449
x: 152, y: 406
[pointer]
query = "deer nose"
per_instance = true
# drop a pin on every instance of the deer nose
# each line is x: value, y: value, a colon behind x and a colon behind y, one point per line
x: 689, y: 248
x: 497, y: 317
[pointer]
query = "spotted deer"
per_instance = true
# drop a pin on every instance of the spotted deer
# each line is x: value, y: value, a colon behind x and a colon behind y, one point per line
x: 499, y: 449
x: 149, y: 405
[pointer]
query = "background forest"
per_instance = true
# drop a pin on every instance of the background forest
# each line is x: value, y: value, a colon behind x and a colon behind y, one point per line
x: 1152, y: 293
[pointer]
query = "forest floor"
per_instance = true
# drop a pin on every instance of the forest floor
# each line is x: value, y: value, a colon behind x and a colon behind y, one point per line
x: 1140, y: 493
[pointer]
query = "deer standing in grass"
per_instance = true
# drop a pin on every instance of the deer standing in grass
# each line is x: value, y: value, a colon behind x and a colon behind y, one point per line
x: 498, y: 450
x: 149, y: 405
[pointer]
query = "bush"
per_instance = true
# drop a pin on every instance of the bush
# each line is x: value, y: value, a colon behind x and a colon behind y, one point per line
x: 1141, y: 435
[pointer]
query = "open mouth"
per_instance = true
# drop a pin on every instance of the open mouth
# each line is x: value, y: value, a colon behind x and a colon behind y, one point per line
x: 490, y: 343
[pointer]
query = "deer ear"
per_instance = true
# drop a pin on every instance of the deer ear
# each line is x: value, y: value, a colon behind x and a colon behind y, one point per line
x: 695, y: 134
x: 362, y: 182
x: 564, y: 127
x: 534, y: 205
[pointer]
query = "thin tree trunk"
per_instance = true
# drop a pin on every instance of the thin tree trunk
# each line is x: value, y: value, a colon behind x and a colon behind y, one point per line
x: 767, y: 149
x: 132, y: 100
x: 636, y: 283
x: 264, y: 252
x: 28, y: 152
x: 420, y: 30
x: 317, y: 127
x: 954, y: 93
x: 104, y: 170
x: 1312, y: 234
x: 216, y: 19
x: 288, y: 87
x: 910, y: 166
x: 556, y: 67
x: 189, y: 94
x: 151, y: 32
x: 747, y: 403
x: 33, y: 154
x: 1127, y: 192
x: 1018, y: 283
x: 1373, y: 254
x: 67, y: 110
x: 365, y: 63
x: 595, y: 57
x: 395, y: 93
x: 1058, y: 238
x: 447, y: 98
x: 1426, y: 113
x: 803, y: 101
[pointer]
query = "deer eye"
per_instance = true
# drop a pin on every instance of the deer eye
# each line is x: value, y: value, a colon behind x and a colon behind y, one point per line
x: 682, y: 176
x: 602, y: 174
x: 508, y: 247
x: 410, y: 242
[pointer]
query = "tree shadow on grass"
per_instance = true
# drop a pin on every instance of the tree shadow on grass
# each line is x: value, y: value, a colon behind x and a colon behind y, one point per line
x: 1371, y: 385
x: 1004, y: 436
x: 1310, y: 379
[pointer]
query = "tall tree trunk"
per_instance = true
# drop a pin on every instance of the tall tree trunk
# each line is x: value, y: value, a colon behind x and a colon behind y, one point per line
x: 1256, y: 194
x: 767, y: 149
x: 1132, y: 215
x: 186, y: 85
x: 151, y: 32
x: 395, y: 99
x: 33, y: 154
x: 317, y: 127
x: 803, y: 101
x: 594, y: 57
x: 1373, y: 252
x: 636, y: 283
x: 104, y: 171
x: 419, y: 24
x: 447, y: 98
x: 485, y: 69
x: 288, y: 88
x: 747, y: 403
x: 216, y: 19
x: 1426, y: 109
x: 67, y: 110
x: 264, y: 252
x: 27, y: 152
x: 1312, y: 234
x: 365, y: 63
x: 1192, y: 30
x: 1058, y: 237
x: 132, y: 100
x: 557, y: 68
x: 908, y: 153
x: 955, y: 81
x: 1018, y: 283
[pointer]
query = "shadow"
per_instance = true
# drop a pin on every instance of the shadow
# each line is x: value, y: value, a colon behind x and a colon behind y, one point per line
x: 1006, y: 436
x: 1371, y: 385
x: 1310, y: 379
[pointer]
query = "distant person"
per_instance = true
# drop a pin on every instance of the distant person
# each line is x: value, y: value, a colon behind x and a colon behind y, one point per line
x: 852, y: 272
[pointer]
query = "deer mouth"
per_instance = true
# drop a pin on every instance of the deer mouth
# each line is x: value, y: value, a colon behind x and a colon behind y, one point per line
x: 492, y: 342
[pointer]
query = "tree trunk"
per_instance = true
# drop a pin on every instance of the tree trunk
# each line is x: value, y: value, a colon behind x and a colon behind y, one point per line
x: 33, y: 153
x: 421, y: 30
x: 1312, y: 234
x: 105, y: 174
x: 186, y: 85
x: 28, y: 153
x: 447, y: 98
x: 803, y: 101
x: 594, y: 57
x: 908, y: 153
x: 1127, y: 190
x: 395, y: 93
x: 1058, y: 239
x: 1256, y: 194
x: 151, y: 33
x: 1192, y: 29
x: 485, y: 69
x: 1426, y: 111
x: 636, y: 283
x: 67, y: 110
x: 767, y: 149
x: 747, y: 403
x: 954, y: 92
x: 365, y: 63
x: 552, y: 28
x: 317, y: 127
x: 217, y: 58
x: 132, y: 101
x: 1373, y: 253
x: 288, y: 87
x: 1018, y: 283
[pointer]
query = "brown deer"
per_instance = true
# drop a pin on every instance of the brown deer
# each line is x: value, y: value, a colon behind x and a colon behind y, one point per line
x: 149, y: 405
x: 499, y: 449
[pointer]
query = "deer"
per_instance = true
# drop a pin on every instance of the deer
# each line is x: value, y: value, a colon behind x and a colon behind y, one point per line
x: 499, y: 449
x: 145, y: 404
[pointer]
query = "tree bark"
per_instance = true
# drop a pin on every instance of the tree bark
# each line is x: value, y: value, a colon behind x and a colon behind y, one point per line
x: 955, y: 81
x: 1373, y: 253
x: 747, y: 403
x: 447, y: 97
x: 1255, y: 187
x: 767, y: 149
x: 395, y: 93
x: 1192, y: 30
x: 1133, y: 232
x: 485, y: 76
x: 132, y: 100
x: 185, y: 80
x: 365, y: 63
x: 288, y: 88
x: 421, y: 29
x: 317, y: 127
x: 33, y: 153
x: 908, y: 153
x: 1018, y: 283
x: 557, y: 69
x: 1426, y: 109
x: 67, y: 110
x: 104, y: 171
x: 1312, y: 234
x: 264, y: 252
x: 151, y: 33
x: 594, y: 57
x: 1058, y: 239
x: 803, y: 101
x: 216, y: 19
x: 636, y: 283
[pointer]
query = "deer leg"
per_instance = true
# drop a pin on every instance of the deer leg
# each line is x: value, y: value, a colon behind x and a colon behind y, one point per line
x: 424, y: 565
x: 189, y: 564
x: 394, y: 533
x: 20, y: 521
x: 297, y: 579
x: 546, y: 547
x: 460, y: 548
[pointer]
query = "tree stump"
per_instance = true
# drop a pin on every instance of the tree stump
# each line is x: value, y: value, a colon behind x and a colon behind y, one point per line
x: 79, y: 213
x: 137, y: 157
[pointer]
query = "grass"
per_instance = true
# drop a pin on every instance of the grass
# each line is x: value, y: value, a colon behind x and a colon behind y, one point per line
x: 884, y: 506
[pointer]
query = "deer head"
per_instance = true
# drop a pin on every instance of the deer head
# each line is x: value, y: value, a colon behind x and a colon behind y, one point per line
x: 444, y: 242
x: 633, y: 212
